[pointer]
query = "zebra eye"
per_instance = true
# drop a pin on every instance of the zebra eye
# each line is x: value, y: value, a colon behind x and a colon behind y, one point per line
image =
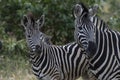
x: 80, y: 28
x: 29, y: 36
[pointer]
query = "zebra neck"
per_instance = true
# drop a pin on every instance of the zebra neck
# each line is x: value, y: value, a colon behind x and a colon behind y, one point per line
x: 107, y: 44
x: 99, y: 23
x: 45, y: 55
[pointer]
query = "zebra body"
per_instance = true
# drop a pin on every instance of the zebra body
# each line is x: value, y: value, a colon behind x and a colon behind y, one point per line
x: 51, y: 62
x: 104, y: 51
x: 69, y: 60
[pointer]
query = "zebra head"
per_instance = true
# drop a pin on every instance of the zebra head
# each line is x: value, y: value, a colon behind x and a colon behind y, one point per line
x: 84, y: 32
x: 32, y: 31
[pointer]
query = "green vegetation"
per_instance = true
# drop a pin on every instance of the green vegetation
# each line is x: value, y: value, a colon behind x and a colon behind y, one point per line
x: 15, y: 67
x: 59, y: 23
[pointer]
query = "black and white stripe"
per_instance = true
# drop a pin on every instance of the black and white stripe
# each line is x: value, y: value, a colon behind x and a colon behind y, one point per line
x: 51, y: 62
x: 103, y: 45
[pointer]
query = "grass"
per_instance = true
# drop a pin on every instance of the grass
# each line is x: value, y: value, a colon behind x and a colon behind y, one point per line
x: 15, y: 67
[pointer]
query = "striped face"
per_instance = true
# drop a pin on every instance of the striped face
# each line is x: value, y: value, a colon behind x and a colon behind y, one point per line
x: 33, y: 33
x: 84, y: 32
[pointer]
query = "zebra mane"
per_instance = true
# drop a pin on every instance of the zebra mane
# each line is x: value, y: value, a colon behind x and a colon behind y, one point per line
x: 97, y: 21
x: 85, y: 8
x: 95, y: 18
x: 31, y: 17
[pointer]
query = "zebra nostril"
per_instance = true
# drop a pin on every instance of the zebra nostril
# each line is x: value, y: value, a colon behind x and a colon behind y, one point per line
x: 28, y: 35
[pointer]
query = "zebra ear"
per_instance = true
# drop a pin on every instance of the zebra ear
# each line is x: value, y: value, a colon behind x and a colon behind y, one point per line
x: 93, y: 10
x: 24, y: 21
x: 28, y: 20
x: 77, y: 10
x: 40, y: 22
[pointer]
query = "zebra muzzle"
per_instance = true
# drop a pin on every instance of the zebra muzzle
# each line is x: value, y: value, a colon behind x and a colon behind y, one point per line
x: 91, y: 49
x: 38, y: 49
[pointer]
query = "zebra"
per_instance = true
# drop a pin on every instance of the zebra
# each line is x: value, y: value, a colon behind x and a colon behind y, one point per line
x: 51, y: 62
x: 101, y: 43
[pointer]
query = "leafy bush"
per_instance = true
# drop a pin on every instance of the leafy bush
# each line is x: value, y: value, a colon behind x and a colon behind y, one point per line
x: 59, y: 21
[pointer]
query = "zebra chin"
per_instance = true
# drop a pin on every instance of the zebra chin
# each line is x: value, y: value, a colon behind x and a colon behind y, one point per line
x: 91, y: 49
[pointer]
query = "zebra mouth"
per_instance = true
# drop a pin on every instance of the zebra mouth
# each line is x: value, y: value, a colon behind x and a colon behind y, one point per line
x: 38, y: 49
x: 32, y: 49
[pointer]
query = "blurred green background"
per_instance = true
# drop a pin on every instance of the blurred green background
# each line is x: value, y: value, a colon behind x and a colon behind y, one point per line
x: 59, y: 23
